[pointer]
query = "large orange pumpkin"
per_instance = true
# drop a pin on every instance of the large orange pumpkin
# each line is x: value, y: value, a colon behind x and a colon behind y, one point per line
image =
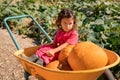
x: 63, y: 57
x: 87, y: 55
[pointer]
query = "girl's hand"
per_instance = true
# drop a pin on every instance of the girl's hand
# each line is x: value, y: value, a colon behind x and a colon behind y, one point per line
x: 50, y: 52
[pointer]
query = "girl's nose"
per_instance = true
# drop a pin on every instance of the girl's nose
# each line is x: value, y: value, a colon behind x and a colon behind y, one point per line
x: 67, y: 25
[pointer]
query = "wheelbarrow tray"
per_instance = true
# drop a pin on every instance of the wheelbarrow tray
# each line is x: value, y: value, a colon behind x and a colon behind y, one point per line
x: 51, y: 74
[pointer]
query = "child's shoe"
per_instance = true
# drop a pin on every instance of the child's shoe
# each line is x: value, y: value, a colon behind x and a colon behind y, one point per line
x: 33, y: 58
x: 40, y: 62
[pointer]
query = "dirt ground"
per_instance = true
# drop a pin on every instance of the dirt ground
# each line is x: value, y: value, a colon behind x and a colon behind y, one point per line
x: 10, y: 67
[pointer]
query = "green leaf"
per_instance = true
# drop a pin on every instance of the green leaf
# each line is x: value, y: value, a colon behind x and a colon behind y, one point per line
x: 99, y: 21
x: 108, y: 11
x: 98, y: 28
x: 91, y: 37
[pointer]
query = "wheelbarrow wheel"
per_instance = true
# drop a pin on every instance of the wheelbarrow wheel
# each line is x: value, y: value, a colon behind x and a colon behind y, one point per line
x: 26, y: 75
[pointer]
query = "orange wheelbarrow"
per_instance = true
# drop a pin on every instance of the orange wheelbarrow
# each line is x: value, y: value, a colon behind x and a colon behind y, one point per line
x: 41, y: 72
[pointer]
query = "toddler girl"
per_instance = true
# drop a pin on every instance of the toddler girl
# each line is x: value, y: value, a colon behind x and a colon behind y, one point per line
x: 66, y: 34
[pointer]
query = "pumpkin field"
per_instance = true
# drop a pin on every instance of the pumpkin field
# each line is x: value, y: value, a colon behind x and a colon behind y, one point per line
x: 98, y: 22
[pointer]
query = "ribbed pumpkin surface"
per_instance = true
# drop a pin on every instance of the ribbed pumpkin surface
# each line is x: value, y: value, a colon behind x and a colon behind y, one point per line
x: 65, y: 52
x: 87, y: 55
x: 63, y: 57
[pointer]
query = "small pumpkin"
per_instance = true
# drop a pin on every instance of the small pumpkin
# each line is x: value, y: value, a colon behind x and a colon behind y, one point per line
x: 53, y: 65
x: 63, y: 57
x: 65, y: 52
x: 87, y: 55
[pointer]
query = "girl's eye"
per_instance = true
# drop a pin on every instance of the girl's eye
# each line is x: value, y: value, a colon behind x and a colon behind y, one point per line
x: 65, y: 23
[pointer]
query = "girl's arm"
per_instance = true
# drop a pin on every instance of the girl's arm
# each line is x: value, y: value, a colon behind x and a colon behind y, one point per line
x: 59, y: 48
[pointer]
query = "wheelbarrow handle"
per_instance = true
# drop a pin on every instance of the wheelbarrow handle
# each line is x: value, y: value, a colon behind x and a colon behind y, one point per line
x: 23, y: 16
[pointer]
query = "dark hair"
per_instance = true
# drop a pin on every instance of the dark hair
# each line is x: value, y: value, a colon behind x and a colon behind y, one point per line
x: 66, y: 13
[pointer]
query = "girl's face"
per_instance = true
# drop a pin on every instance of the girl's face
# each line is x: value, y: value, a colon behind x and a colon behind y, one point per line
x: 67, y: 24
